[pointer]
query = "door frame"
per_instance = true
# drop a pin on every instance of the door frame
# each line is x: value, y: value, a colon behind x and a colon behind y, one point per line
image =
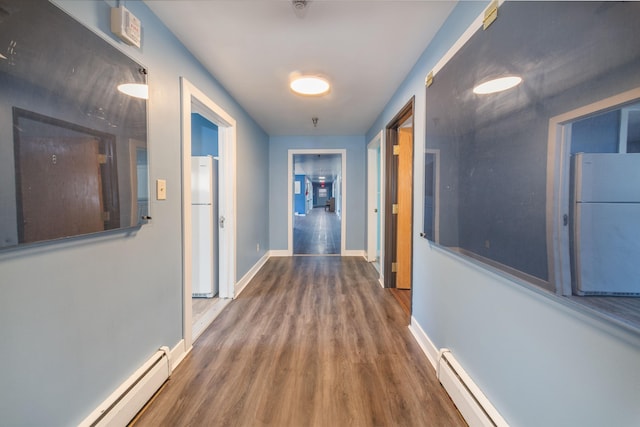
x: 391, y: 194
x: 375, y: 181
x: 558, y: 187
x: 343, y: 193
x: 195, y: 101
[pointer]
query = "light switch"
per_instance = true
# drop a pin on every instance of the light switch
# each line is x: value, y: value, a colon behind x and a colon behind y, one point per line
x: 161, y: 189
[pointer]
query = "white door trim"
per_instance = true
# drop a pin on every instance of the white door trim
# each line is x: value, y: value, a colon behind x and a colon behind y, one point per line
x: 374, y: 182
x: 343, y: 195
x: 195, y: 101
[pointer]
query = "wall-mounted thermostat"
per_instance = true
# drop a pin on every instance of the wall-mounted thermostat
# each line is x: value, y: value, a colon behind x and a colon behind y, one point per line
x: 126, y: 26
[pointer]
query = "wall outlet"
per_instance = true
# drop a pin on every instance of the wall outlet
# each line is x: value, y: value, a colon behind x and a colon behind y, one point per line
x: 161, y: 189
x: 487, y: 244
x: 257, y: 247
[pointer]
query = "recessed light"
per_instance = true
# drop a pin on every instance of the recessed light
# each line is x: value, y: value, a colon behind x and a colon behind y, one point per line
x: 497, y: 85
x: 310, y: 85
x: 137, y: 90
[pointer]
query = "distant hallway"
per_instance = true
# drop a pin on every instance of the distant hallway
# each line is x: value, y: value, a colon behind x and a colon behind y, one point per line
x: 317, y: 233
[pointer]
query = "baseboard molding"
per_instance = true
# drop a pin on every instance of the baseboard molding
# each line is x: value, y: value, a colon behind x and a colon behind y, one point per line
x: 424, y: 342
x: 121, y: 406
x: 351, y: 252
x: 475, y: 407
x: 242, y: 283
x: 279, y: 253
x: 177, y: 355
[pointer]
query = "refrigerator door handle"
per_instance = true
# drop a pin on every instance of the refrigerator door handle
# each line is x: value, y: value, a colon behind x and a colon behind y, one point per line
x: 222, y: 222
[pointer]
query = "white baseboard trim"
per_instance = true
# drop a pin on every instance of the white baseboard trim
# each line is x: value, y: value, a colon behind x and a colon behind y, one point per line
x: 475, y: 407
x: 242, y: 283
x: 279, y: 253
x: 177, y: 354
x: 381, y: 281
x: 121, y: 406
x: 352, y: 252
x: 424, y: 342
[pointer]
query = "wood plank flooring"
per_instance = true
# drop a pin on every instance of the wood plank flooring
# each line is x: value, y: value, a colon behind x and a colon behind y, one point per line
x: 316, y: 233
x: 311, y: 341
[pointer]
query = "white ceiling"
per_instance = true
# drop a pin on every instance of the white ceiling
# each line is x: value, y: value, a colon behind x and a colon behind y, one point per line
x: 316, y: 165
x: 365, y: 47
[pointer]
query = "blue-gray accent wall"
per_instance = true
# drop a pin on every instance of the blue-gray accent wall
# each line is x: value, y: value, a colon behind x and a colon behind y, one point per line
x: 204, y: 136
x: 79, y: 317
x: 539, y: 360
x: 279, y: 147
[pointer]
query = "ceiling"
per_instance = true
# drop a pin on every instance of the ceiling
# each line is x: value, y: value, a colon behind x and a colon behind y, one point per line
x: 364, y: 47
x: 316, y: 165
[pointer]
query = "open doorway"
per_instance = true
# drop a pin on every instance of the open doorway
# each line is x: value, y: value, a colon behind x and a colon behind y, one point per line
x: 316, y: 188
x: 399, y: 206
x: 592, y: 232
x: 196, y: 102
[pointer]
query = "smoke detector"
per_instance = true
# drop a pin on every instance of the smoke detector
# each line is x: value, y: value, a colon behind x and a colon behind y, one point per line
x: 299, y: 4
x: 300, y: 7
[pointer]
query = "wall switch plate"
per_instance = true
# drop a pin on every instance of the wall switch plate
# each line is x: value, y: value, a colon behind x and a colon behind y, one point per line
x: 161, y: 189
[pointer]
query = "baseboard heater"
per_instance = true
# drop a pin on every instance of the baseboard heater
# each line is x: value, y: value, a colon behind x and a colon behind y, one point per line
x: 124, y: 403
x: 470, y: 401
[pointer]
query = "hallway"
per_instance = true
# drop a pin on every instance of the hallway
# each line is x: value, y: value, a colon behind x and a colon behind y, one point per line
x: 317, y: 233
x: 312, y: 341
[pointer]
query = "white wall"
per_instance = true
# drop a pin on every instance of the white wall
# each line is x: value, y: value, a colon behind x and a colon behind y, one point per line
x: 78, y: 317
x: 539, y: 361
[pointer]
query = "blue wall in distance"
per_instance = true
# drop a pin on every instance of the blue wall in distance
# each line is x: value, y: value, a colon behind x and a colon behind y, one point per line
x: 355, y: 175
x: 539, y: 360
x: 204, y: 136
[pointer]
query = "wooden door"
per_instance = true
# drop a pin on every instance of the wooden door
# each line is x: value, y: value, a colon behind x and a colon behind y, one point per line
x: 405, y: 207
x: 60, y: 188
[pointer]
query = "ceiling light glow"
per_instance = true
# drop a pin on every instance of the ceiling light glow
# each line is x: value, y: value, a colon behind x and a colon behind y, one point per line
x: 137, y: 90
x: 310, y: 85
x: 497, y: 85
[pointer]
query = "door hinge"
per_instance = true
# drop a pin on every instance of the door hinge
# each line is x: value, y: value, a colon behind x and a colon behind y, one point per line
x: 490, y: 14
x: 394, y: 208
x: 396, y: 150
x: 394, y: 267
x: 102, y: 159
x: 429, y: 80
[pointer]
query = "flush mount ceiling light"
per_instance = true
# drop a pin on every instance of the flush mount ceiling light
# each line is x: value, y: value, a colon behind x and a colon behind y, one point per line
x: 310, y: 85
x: 137, y: 90
x: 497, y: 85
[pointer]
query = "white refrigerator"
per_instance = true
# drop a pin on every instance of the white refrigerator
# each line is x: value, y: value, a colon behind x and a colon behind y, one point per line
x: 606, y: 227
x: 204, y: 219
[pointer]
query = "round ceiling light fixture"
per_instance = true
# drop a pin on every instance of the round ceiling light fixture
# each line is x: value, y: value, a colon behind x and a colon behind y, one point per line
x: 137, y: 90
x: 310, y: 85
x: 497, y: 85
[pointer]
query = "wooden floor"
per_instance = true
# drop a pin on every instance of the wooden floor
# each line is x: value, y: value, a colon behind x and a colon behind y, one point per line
x: 403, y: 296
x: 316, y: 233
x: 311, y: 341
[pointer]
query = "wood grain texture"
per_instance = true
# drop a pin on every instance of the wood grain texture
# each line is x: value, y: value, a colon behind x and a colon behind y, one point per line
x: 311, y: 341
x: 405, y: 208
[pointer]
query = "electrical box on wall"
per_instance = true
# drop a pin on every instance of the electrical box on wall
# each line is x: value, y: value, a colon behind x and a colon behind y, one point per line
x: 126, y: 26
